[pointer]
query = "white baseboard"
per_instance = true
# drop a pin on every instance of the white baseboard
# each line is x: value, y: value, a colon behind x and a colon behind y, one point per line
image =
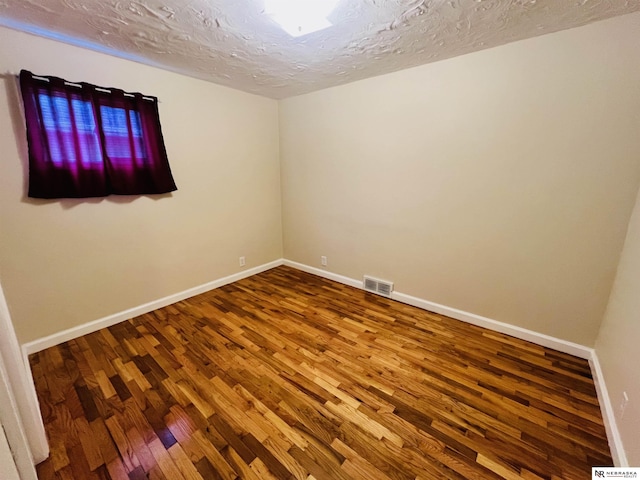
x: 518, y: 332
x: 608, y: 414
x: 522, y: 333
x: 615, y: 442
x: 86, y: 328
x: 324, y: 273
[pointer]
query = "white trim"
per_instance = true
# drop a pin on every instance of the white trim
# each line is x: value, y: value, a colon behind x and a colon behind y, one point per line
x: 515, y: 331
x: 518, y: 332
x: 615, y: 442
x: 497, y: 326
x: 323, y: 273
x: 8, y: 469
x: 24, y: 425
x: 608, y: 413
x: 86, y: 328
x: 16, y: 435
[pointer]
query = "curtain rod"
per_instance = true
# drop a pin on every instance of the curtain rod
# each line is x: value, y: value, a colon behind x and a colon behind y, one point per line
x: 101, y: 89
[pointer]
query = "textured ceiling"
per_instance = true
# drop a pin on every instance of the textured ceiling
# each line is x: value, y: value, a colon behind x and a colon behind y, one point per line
x: 231, y: 42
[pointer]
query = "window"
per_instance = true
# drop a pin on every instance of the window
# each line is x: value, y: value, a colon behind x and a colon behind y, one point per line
x: 89, y: 141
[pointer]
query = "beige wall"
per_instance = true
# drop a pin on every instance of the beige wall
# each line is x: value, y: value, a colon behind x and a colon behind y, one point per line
x: 618, y: 344
x: 65, y: 263
x: 499, y: 182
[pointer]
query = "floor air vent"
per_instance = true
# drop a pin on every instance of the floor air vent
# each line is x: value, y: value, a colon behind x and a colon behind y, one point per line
x: 375, y: 285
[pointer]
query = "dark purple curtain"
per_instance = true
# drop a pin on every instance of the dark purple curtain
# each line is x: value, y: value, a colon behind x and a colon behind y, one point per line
x: 89, y: 141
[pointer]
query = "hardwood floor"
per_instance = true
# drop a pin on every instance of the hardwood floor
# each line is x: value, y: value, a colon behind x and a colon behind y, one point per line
x: 290, y: 376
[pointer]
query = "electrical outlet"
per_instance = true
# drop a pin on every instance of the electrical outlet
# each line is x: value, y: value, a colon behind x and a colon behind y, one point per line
x: 623, y: 404
x: 323, y: 261
x: 242, y: 262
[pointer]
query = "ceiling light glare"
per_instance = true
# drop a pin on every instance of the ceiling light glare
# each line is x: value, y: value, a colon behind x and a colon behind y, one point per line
x: 300, y: 17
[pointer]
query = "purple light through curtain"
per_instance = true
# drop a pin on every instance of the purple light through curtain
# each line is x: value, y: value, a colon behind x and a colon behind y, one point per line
x: 89, y: 141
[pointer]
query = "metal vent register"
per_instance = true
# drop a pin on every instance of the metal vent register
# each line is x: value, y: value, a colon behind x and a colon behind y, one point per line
x: 375, y: 285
